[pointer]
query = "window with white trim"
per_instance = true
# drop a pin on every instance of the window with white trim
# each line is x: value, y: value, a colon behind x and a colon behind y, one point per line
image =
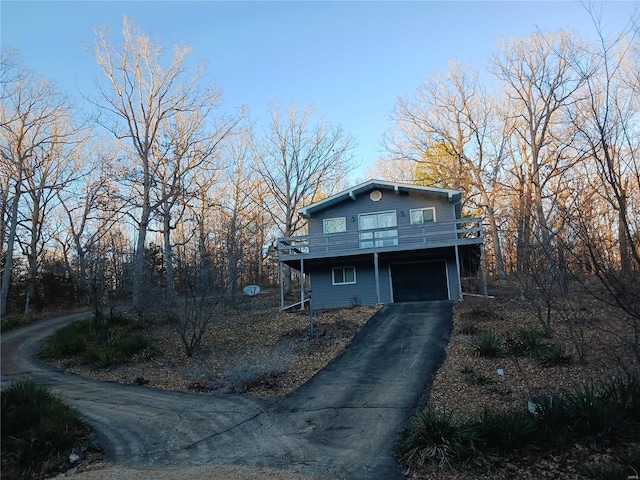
x: 334, y: 225
x: 378, y: 229
x: 422, y: 215
x: 343, y: 275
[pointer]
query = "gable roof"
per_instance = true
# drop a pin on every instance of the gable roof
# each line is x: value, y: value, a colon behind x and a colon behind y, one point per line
x: 351, y: 193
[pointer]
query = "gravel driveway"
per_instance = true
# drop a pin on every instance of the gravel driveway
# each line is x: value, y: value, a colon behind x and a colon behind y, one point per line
x: 343, y: 423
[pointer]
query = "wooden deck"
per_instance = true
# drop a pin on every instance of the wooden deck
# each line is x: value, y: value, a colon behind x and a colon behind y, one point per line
x: 467, y: 231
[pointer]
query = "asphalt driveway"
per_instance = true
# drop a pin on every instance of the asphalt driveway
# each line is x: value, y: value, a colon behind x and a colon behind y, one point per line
x: 343, y: 423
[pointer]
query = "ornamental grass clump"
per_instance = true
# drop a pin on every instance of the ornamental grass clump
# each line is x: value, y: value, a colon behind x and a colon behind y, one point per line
x: 436, y: 437
x: 114, y: 342
x: 487, y: 344
x: 38, y: 430
x: 553, y: 355
x: 500, y: 432
x: 529, y: 341
x: 69, y: 340
x: 608, y: 414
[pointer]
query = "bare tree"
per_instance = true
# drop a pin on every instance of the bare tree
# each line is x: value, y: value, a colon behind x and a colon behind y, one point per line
x: 607, y: 121
x: 188, y: 148
x: 449, y: 131
x: 541, y: 76
x: 298, y: 160
x: 54, y: 167
x: 90, y: 214
x: 140, y: 98
x: 34, y: 120
x: 238, y: 209
x: 393, y: 170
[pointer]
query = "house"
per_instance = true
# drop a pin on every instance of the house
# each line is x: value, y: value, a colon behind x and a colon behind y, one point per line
x: 383, y: 242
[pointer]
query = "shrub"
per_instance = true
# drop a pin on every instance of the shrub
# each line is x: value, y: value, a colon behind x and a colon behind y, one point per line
x: 119, y: 347
x: 529, y: 342
x: 37, y: 428
x: 606, y: 413
x: 477, y: 378
x: 11, y: 322
x: 505, y: 431
x: 191, y: 319
x: 595, y: 414
x: 487, y: 344
x: 110, y: 344
x: 103, y: 357
x: 68, y: 340
x: 437, y: 438
x: 553, y: 355
x: 553, y: 419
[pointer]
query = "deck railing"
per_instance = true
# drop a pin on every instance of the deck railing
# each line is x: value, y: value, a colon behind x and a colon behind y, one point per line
x: 427, y: 235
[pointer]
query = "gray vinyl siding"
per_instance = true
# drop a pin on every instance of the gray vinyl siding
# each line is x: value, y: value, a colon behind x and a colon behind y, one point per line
x: 363, y: 292
x: 326, y: 295
x: 350, y: 209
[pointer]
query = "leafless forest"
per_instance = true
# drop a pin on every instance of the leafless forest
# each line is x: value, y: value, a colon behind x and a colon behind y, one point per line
x: 155, y: 194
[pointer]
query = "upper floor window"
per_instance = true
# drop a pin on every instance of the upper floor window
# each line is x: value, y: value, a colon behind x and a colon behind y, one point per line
x: 344, y: 275
x: 422, y: 215
x: 334, y: 225
x: 379, y: 229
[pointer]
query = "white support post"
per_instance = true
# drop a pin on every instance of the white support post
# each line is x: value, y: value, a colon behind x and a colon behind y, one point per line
x: 483, y: 271
x: 459, y: 272
x: 377, y: 274
x: 301, y: 283
x: 281, y: 287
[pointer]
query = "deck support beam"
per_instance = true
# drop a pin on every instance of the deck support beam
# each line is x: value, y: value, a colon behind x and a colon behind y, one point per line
x: 377, y: 274
x: 483, y: 271
x: 459, y: 272
x: 301, y: 283
x: 281, y: 287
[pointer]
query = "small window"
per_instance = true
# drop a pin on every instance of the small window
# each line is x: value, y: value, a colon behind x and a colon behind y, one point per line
x: 344, y: 275
x: 334, y: 225
x: 422, y: 215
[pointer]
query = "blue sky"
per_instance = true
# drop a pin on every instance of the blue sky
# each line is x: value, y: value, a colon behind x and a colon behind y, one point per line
x: 350, y: 60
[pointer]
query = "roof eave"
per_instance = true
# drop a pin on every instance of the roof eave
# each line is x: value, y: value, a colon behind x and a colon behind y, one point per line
x: 352, y: 193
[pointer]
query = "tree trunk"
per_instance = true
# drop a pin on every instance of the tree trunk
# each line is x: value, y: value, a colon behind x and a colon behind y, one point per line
x: 8, y: 261
x: 32, y: 256
x: 168, y: 257
x: 523, y: 242
x: 138, y: 261
x: 623, y: 240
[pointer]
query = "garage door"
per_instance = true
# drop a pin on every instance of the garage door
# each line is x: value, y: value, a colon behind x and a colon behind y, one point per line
x: 419, y: 282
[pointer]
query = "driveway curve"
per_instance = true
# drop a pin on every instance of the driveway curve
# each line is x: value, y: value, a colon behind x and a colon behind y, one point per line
x: 343, y: 423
